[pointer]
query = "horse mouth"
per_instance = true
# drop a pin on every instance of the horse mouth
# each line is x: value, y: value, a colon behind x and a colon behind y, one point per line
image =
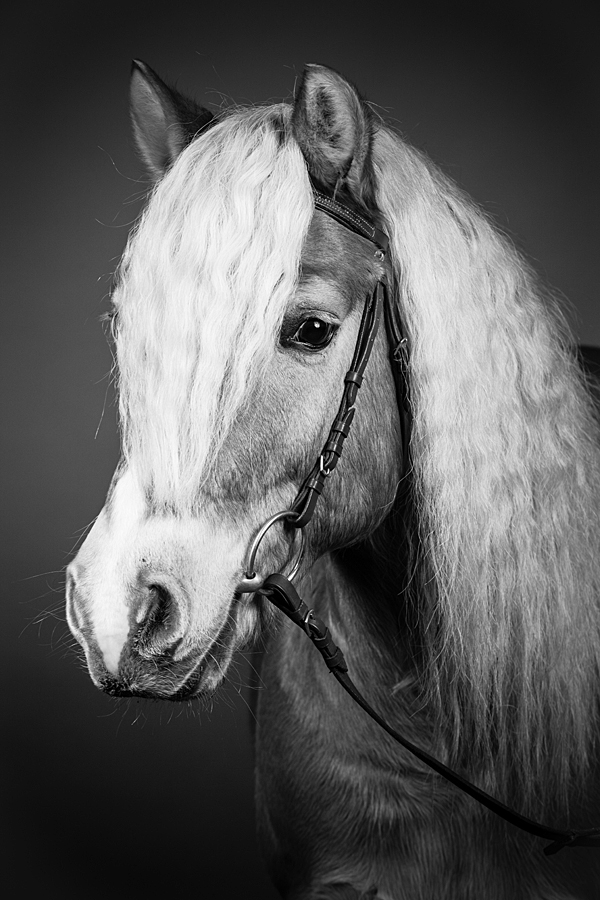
x: 164, y: 678
x: 190, y: 687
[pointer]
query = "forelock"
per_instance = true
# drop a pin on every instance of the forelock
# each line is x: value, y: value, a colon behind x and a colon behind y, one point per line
x: 203, y: 287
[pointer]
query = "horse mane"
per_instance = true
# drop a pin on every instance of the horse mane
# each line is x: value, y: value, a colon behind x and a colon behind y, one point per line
x: 201, y: 293
x: 506, y: 485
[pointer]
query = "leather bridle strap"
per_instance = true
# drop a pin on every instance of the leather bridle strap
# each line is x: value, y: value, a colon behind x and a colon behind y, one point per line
x: 380, y: 301
x: 311, y: 489
x: 281, y: 592
x: 397, y: 340
x: 398, y: 353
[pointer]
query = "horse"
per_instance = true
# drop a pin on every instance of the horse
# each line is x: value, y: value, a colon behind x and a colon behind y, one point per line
x: 453, y: 552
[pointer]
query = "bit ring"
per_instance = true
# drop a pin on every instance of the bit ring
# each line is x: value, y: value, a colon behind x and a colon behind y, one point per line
x: 251, y: 582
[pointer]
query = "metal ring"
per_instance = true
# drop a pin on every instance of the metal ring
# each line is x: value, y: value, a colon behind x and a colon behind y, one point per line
x: 251, y: 581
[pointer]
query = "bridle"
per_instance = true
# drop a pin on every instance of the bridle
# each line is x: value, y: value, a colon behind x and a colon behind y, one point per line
x: 377, y: 304
x: 278, y: 587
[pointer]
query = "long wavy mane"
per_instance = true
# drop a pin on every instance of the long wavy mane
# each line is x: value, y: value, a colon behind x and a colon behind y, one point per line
x: 506, y: 469
x: 202, y: 289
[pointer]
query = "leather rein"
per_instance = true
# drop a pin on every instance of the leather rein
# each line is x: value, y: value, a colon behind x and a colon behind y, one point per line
x: 278, y: 587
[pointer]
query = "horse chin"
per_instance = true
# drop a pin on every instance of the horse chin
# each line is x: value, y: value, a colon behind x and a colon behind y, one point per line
x: 201, y: 681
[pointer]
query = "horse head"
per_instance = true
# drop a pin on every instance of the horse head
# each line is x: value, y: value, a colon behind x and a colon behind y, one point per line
x: 236, y: 312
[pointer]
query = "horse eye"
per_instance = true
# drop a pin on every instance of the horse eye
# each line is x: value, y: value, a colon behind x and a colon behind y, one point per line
x: 314, y: 334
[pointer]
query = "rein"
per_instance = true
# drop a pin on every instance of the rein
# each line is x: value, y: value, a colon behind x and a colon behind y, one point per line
x: 279, y: 589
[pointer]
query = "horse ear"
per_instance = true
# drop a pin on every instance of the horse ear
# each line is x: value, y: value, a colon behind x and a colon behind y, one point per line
x: 333, y: 127
x: 164, y: 121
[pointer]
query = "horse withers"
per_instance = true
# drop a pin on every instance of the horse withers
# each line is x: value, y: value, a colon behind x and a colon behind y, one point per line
x: 459, y: 576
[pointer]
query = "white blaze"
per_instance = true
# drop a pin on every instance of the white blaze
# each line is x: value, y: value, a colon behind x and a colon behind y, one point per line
x: 108, y: 578
x: 198, y: 560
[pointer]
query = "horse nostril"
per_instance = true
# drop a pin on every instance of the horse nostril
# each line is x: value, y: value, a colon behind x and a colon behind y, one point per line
x: 158, y: 631
x: 74, y: 616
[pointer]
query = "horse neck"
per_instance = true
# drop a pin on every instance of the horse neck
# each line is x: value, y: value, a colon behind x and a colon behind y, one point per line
x: 360, y: 590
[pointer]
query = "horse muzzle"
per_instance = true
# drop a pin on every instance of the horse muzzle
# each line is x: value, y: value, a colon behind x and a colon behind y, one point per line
x: 143, y: 646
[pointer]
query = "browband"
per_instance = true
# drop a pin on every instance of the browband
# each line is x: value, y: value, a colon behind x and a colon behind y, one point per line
x: 351, y: 220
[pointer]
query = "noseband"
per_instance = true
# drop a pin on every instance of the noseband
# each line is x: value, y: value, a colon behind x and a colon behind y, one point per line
x: 278, y: 587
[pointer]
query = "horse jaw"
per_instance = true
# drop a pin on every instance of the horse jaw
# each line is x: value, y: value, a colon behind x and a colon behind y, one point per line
x: 151, y: 598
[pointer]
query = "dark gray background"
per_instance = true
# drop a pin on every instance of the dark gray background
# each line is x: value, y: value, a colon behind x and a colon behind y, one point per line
x: 130, y: 799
